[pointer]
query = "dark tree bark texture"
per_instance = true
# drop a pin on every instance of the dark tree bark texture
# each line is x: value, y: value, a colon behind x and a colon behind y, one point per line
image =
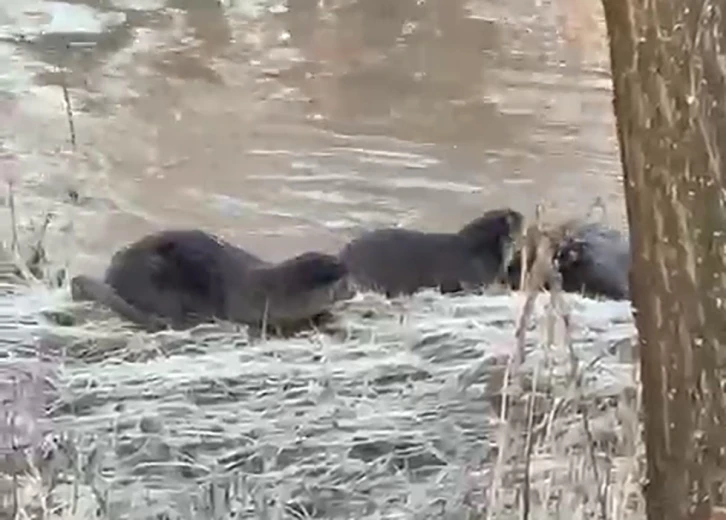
x: 668, y: 78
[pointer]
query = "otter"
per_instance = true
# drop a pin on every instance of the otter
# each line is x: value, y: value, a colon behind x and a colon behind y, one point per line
x: 398, y: 261
x: 181, y: 278
x: 591, y: 258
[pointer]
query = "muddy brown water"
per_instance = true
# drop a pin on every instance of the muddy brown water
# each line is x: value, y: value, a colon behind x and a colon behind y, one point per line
x: 287, y: 126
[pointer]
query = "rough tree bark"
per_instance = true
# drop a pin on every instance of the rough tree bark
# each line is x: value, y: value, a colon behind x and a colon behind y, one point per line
x: 670, y: 107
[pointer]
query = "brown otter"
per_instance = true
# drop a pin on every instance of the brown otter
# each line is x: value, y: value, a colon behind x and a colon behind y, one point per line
x: 399, y: 261
x: 180, y: 278
x: 591, y: 258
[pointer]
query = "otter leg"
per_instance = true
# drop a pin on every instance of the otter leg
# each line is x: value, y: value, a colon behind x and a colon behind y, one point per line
x: 85, y: 288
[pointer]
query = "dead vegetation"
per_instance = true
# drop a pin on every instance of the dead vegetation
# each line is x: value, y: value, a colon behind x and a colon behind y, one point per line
x: 564, y: 450
x: 566, y: 445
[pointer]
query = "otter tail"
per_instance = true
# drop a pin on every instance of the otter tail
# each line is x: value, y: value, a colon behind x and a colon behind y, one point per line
x: 85, y: 288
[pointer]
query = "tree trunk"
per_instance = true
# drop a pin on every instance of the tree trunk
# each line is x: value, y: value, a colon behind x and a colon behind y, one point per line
x: 669, y: 104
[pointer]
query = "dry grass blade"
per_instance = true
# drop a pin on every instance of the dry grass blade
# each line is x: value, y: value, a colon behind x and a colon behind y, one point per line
x: 20, y: 264
x: 528, y: 446
x: 530, y: 475
x: 38, y: 257
x: 502, y: 442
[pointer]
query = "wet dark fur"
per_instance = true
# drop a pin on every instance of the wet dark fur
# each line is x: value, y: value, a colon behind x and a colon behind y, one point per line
x: 592, y: 259
x: 182, y: 278
x: 401, y: 261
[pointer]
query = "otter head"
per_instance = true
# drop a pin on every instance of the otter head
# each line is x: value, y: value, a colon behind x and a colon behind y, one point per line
x: 300, y: 288
x: 497, y: 232
x: 571, y: 254
x: 572, y: 261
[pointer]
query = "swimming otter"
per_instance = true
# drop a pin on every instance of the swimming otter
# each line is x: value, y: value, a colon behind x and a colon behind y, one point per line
x: 181, y: 278
x: 401, y: 261
x: 591, y: 258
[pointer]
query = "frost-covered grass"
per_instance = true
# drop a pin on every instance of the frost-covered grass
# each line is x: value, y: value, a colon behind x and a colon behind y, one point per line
x: 396, y: 412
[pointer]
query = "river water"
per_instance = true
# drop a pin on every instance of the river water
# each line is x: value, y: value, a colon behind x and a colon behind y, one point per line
x: 288, y: 126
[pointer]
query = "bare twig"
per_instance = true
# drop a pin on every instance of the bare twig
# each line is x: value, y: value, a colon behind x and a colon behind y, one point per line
x: 69, y: 108
x: 524, y: 263
x: 535, y: 279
